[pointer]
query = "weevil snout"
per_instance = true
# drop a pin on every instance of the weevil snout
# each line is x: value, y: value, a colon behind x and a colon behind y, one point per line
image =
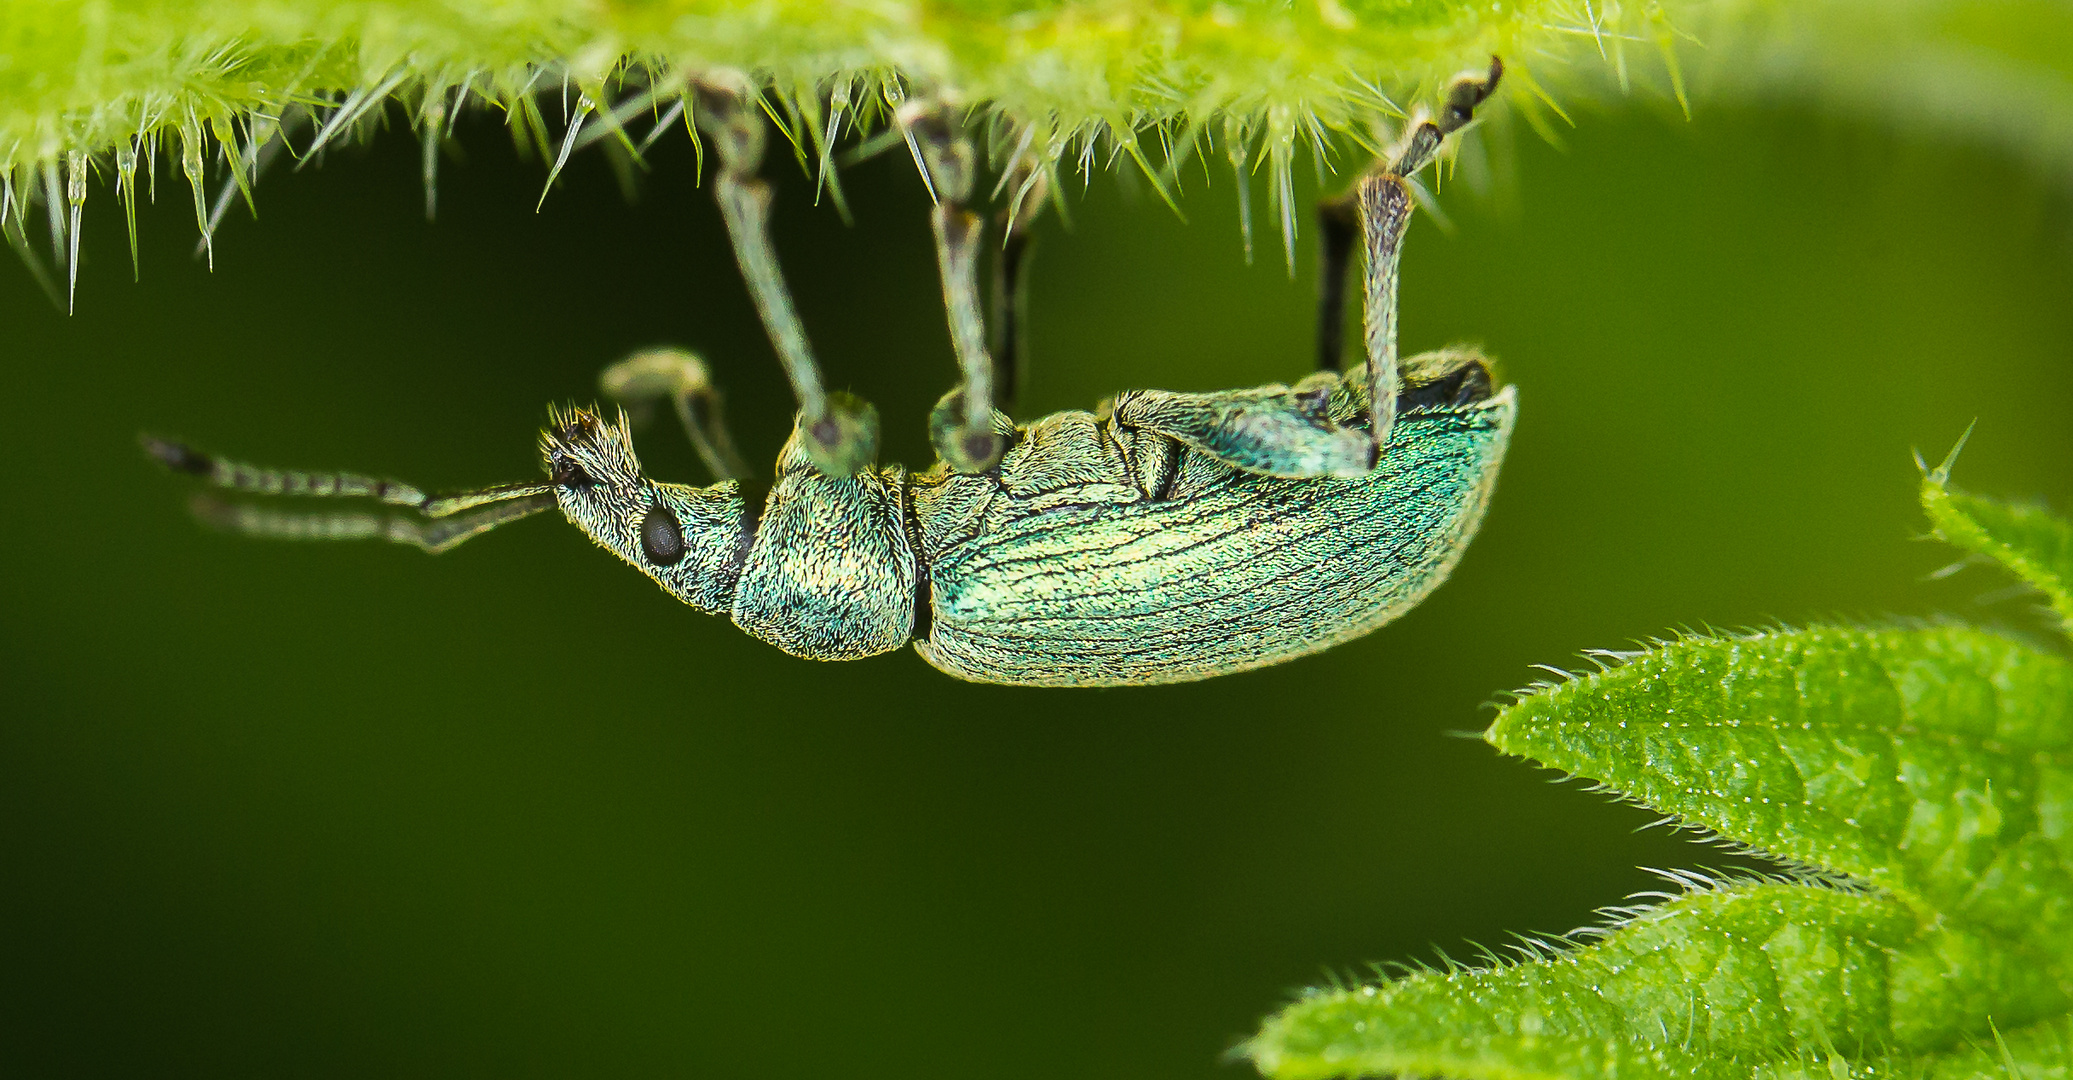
x: 689, y: 540
x: 568, y: 431
x: 581, y: 451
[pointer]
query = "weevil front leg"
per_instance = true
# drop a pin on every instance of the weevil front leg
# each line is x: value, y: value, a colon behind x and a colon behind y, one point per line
x: 841, y: 431
x: 679, y: 376
x: 961, y: 425
x: 1295, y: 431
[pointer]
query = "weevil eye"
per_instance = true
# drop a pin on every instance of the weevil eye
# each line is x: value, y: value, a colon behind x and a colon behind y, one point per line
x: 568, y: 474
x: 662, y: 539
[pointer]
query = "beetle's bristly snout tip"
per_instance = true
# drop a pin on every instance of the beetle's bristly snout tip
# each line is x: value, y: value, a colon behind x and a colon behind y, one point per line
x: 573, y: 427
x: 582, y: 450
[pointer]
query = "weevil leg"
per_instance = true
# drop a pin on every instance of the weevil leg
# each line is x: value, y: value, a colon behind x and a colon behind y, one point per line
x: 1027, y: 186
x: 1296, y: 431
x: 1338, y: 222
x: 679, y: 376
x: 1384, y: 199
x: 961, y: 425
x: 841, y: 431
x: 1273, y: 430
x: 1385, y: 213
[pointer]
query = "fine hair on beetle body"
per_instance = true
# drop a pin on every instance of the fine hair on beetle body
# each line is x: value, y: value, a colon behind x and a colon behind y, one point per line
x: 1167, y: 537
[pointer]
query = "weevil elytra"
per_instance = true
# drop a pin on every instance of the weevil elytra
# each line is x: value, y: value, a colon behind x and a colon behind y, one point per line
x: 1173, y: 536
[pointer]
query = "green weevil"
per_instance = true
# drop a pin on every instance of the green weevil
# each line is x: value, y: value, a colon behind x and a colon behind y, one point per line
x: 1169, y: 537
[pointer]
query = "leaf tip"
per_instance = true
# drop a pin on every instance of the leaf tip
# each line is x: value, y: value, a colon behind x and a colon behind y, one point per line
x: 1941, y: 475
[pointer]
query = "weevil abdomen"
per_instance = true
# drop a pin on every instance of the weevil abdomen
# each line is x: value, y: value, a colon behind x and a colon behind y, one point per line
x: 1087, y: 585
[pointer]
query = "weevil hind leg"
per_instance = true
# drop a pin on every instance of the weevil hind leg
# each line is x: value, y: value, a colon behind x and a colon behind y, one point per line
x: 1272, y: 430
x: 1300, y: 431
x: 680, y: 377
x: 1306, y: 430
x: 840, y: 430
x: 1385, y: 214
x: 1385, y: 204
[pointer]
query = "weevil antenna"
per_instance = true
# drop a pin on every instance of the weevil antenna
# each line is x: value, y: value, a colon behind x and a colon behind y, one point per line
x: 430, y: 535
x: 496, y: 504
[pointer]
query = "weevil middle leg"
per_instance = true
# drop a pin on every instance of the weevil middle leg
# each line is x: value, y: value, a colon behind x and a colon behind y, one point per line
x: 840, y: 430
x: 962, y: 425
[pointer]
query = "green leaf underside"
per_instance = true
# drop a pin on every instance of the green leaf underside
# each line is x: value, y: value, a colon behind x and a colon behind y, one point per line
x: 100, y: 89
x: 2032, y: 543
x: 93, y: 91
x: 83, y: 77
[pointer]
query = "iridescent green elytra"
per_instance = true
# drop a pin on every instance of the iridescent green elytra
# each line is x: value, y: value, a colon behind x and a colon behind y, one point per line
x: 1173, y: 537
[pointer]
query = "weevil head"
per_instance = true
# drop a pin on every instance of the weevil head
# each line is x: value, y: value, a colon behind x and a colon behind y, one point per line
x: 674, y: 534
x: 597, y: 479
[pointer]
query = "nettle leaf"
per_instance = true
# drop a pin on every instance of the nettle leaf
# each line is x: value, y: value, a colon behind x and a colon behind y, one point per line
x: 1917, y: 781
x: 1935, y: 765
x: 1710, y: 984
x: 2032, y: 543
x: 2042, y: 1051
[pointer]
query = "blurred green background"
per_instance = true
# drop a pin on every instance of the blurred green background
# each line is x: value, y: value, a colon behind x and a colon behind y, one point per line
x: 278, y: 809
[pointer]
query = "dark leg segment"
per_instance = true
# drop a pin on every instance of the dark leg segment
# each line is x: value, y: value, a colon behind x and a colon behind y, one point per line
x: 1339, y: 224
x: 1027, y: 189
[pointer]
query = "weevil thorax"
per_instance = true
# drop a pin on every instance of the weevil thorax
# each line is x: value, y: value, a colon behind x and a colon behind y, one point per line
x: 690, y: 540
